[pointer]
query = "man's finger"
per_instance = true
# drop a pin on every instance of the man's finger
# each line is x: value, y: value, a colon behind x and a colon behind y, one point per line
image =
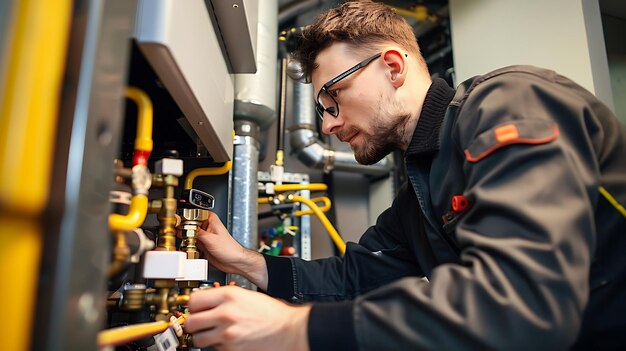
x: 206, y: 299
x: 199, y: 321
x: 207, y: 338
x: 205, y: 223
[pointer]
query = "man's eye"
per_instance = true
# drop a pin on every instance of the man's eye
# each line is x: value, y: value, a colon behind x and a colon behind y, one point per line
x: 334, y: 93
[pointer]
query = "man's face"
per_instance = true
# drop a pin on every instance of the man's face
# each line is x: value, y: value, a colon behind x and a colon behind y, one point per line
x: 370, y: 119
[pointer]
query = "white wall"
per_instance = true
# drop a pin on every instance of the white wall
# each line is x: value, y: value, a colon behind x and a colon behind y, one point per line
x: 563, y: 35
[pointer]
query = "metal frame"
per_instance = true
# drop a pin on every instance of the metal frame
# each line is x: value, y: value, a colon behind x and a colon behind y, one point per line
x: 71, y: 305
x: 303, y: 245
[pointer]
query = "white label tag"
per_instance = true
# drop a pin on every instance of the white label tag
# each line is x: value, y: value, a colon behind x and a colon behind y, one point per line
x: 166, y: 341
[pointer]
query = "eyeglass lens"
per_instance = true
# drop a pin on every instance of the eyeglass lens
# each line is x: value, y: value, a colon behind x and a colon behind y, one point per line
x: 326, y: 103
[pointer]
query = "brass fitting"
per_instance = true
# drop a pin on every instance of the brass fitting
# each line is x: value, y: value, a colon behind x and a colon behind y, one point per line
x: 170, y: 181
x: 133, y: 297
x: 193, y: 215
x: 161, y: 299
x: 158, y: 179
x: 121, y: 173
x: 166, y: 212
x: 180, y: 300
x: 167, y: 230
x: 155, y: 206
x: 121, y: 254
x: 165, y: 300
x: 113, y: 300
x: 191, y: 219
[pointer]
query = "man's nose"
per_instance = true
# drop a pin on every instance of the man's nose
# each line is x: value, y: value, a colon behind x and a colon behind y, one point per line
x: 331, y: 124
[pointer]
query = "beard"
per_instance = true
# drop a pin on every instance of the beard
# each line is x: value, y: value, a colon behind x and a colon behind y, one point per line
x: 388, y: 130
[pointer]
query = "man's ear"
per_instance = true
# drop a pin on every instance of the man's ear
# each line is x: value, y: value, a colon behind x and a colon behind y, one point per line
x: 396, y: 66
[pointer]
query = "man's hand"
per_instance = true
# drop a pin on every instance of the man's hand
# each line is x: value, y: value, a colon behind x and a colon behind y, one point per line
x: 232, y: 318
x: 227, y: 255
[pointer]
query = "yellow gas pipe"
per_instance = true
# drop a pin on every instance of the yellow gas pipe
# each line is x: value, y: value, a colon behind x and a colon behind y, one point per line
x: 135, y: 216
x: 143, y: 147
x: 341, y: 245
x: 295, y: 187
x: 143, y: 138
x: 126, y: 334
x: 316, y: 200
x: 208, y: 171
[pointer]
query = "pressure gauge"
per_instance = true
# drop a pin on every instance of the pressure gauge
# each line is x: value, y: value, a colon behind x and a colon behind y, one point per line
x: 194, y: 198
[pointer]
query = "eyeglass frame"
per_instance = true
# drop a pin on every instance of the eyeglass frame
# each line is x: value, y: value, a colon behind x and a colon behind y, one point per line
x: 319, y: 108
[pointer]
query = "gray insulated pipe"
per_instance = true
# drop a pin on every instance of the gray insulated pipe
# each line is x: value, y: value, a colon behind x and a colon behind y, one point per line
x: 254, y: 109
x: 311, y: 151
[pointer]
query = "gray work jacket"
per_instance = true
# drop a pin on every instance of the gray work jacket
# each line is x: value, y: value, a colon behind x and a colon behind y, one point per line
x: 533, y: 254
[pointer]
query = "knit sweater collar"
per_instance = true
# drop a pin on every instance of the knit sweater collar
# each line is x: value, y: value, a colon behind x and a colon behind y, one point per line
x: 426, y: 136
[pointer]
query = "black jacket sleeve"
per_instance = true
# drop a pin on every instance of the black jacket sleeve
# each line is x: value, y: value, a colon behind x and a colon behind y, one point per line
x: 381, y: 256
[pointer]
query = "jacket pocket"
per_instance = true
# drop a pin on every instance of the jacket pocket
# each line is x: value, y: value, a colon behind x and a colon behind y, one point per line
x: 531, y: 132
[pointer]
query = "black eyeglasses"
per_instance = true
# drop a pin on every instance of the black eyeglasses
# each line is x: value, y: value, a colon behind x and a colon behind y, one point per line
x: 325, y: 100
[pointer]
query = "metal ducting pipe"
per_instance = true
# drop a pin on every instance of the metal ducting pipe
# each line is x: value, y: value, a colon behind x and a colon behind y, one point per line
x: 255, y: 94
x: 244, y: 221
x: 254, y: 109
x: 315, y: 154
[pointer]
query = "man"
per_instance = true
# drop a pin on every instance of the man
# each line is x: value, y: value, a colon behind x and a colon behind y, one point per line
x: 514, y: 212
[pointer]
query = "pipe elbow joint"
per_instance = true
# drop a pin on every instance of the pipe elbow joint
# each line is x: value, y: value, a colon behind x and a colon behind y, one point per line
x: 135, y: 217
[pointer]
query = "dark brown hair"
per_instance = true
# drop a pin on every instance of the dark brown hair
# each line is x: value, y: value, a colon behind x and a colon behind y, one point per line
x: 364, y: 25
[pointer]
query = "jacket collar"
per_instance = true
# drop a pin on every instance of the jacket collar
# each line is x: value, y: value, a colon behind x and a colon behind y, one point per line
x: 426, y: 136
